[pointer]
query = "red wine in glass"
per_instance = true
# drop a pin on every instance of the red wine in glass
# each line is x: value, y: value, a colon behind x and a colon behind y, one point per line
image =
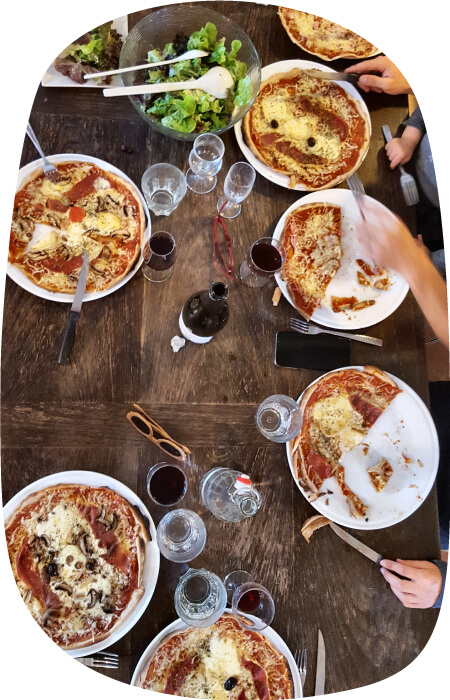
x: 166, y: 484
x: 160, y: 251
x: 250, y: 602
x: 266, y: 258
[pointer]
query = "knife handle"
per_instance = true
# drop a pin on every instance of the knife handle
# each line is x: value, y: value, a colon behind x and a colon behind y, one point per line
x: 353, y: 79
x: 68, y: 338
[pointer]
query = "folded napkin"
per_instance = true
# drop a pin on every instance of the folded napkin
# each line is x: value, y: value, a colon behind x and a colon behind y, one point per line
x: 311, y: 351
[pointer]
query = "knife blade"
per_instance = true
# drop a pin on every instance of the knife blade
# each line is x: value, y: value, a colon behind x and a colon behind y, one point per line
x: 353, y: 542
x: 351, y: 78
x: 320, y: 666
x: 68, y: 337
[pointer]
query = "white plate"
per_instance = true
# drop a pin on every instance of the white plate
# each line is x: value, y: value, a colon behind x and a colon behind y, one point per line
x: 53, y: 78
x: 405, y: 429
x: 177, y: 626
x: 23, y: 281
x: 284, y: 67
x: 151, y: 564
x: 344, y: 283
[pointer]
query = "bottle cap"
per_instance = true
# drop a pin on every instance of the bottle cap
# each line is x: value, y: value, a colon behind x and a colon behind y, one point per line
x: 243, y: 481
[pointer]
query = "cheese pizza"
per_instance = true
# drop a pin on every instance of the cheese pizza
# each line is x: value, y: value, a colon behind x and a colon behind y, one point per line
x: 311, y: 130
x: 77, y: 555
x: 338, y: 411
x: 88, y: 210
x: 323, y: 38
x: 221, y: 662
x: 312, y: 240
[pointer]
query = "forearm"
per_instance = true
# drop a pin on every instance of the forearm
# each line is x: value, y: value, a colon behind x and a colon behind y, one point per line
x: 430, y: 292
x: 412, y: 136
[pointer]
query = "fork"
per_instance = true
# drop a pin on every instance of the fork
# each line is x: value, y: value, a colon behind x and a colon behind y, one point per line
x: 407, y: 182
x: 357, y: 189
x: 301, y: 660
x: 50, y: 172
x: 310, y: 329
x: 102, y: 659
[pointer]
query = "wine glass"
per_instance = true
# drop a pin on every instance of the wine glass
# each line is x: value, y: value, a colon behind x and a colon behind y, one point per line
x: 238, y: 185
x: 205, y: 160
x: 279, y: 418
x: 251, y: 603
x: 159, y: 257
x: 264, y: 258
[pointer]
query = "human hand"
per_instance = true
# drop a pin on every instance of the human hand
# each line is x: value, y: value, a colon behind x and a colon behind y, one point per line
x: 391, y: 81
x: 399, y: 151
x: 424, y: 586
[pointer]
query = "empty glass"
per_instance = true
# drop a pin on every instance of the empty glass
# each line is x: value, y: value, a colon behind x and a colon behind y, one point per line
x: 159, y: 255
x: 251, y: 603
x: 205, y: 160
x: 264, y: 258
x: 238, y: 185
x: 200, y: 598
x: 279, y: 418
x: 164, y: 186
x: 181, y: 535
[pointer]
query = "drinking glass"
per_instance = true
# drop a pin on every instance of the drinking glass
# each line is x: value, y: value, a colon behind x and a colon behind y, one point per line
x: 181, y: 535
x: 166, y: 484
x: 205, y: 160
x: 200, y: 598
x: 164, y: 186
x: 238, y: 185
x: 264, y: 258
x: 279, y: 418
x: 159, y: 255
x: 251, y: 603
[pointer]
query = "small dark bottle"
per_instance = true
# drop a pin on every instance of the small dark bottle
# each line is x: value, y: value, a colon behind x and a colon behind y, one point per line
x: 205, y: 313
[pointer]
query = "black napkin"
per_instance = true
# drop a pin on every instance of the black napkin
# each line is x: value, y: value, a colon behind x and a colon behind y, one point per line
x: 311, y: 351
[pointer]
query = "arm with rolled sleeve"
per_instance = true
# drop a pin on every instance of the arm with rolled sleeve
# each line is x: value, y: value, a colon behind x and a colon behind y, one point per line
x: 442, y: 566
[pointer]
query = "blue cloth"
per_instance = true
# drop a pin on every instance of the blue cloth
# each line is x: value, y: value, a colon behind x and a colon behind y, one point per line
x: 442, y: 566
x: 423, y: 159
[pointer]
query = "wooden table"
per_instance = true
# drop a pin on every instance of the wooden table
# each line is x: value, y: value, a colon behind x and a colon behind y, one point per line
x: 58, y: 418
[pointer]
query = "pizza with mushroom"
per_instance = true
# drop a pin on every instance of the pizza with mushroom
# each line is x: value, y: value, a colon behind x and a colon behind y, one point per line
x: 88, y: 210
x: 77, y: 555
x: 323, y: 38
x: 338, y: 411
x: 221, y: 662
x: 309, y: 129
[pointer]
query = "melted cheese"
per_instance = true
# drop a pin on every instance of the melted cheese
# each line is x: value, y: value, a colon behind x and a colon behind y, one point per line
x: 332, y: 414
x: 49, y: 242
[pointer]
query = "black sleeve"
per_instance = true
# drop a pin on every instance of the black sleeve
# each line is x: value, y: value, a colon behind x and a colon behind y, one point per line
x: 442, y: 566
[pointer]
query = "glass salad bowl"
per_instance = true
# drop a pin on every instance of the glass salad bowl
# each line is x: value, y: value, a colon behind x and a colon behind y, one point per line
x: 160, y: 28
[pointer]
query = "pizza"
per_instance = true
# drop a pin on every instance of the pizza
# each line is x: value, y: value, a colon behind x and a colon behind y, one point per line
x: 309, y: 129
x: 323, y: 38
x: 312, y: 240
x: 77, y: 555
x: 88, y: 210
x: 221, y: 662
x: 380, y: 474
x: 338, y: 411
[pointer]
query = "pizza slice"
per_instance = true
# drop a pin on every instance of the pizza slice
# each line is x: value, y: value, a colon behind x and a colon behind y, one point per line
x: 380, y: 474
x: 312, y: 239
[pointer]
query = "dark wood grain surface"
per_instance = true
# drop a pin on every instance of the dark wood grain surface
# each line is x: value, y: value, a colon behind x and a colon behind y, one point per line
x: 57, y: 418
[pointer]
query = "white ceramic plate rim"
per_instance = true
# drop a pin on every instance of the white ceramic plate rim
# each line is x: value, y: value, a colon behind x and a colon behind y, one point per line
x: 22, y: 280
x: 325, y: 316
x: 178, y: 625
x: 53, y: 78
x: 284, y: 67
x: 360, y: 523
x: 151, y: 564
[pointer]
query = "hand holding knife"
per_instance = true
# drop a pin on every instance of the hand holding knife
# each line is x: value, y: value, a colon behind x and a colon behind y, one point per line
x: 69, y: 331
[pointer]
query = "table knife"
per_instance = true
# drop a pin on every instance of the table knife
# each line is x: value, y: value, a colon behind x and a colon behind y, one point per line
x: 359, y: 546
x: 351, y: 78
x: 320, y: 667
x: 69, y: 332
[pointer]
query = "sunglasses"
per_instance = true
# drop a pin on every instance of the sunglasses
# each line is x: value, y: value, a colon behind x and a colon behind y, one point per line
x: 153, y: 432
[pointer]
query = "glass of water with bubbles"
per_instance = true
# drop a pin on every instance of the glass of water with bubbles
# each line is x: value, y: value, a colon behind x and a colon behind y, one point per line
x: 279, y: 418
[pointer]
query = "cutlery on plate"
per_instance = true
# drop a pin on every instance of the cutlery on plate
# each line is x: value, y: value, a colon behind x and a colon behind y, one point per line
x: 215, y: 82
x: 101, y: 659
x: 320, y: 667
x: 407, y: 182
x: 69, y: 331
x: 301, y: 661
x: 351, y: 78
x: 310, y: 329
x: 194, y: 53
x: 50, y: 172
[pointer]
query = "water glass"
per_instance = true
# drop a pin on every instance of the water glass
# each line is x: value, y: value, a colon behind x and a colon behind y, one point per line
x: 164, y: 186
x: 279, y: 418
x: 159, y: 255
x: 166, y: 484
x: 238, y: 185
x: 205, y: 160
x: 264, y: 258
x: 200, y: 598
x: 251, y: 603
x: 181, y: 535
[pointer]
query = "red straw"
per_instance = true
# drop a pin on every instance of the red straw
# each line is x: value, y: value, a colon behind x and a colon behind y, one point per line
x: 226, y: 269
